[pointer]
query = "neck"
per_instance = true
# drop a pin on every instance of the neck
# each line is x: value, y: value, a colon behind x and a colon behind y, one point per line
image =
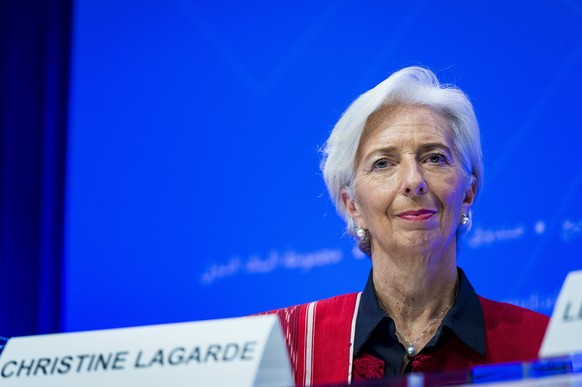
x: 414, y: 289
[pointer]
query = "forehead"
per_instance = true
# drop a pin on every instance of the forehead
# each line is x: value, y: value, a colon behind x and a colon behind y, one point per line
x: 394, y: 124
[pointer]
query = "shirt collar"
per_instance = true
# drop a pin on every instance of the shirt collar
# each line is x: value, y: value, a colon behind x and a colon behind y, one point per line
x: 465, y: 318
x: 369, y: 315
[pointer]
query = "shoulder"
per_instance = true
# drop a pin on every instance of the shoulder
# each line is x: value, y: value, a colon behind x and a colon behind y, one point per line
x: 504, y: 314
x: 328, y: 313
x: 513, y: 333
x: 316, y: 329
x: 336, y: 304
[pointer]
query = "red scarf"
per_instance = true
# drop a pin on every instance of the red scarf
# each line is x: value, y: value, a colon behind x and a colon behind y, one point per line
x: 320, y: 340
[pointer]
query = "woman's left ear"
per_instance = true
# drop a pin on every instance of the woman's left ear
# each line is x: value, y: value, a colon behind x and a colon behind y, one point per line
x: 470, y: 192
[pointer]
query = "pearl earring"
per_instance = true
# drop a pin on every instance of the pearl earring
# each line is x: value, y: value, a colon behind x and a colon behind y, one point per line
x: 465, y: 219
x: 360, y: 232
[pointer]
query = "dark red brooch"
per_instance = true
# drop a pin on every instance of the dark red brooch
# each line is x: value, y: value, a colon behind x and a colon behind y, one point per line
x: 368, y: 367
x: 426, y: 363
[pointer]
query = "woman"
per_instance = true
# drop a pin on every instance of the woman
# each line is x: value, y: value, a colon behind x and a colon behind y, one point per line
x: 403, y: 166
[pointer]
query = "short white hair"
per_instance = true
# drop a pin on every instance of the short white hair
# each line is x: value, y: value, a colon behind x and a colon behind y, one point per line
x: 409, y: 86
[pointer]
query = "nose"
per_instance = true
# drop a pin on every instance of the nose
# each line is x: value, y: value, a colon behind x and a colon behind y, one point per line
x: 413, y: 182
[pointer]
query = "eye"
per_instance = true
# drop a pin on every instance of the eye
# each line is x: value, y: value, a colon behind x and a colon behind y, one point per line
x: 381, y: 164
x: 436, y: 158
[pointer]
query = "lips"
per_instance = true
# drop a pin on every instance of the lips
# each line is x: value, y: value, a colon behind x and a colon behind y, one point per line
x: 416, y: 215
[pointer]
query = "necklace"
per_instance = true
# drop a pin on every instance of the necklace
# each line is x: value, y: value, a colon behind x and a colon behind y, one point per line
x: 411, y: 349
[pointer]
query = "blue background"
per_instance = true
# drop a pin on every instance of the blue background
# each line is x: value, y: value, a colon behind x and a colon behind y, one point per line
x: 193, y: 188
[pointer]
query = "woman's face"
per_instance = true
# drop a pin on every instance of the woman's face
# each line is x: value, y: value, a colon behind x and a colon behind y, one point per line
x: 410, y: 189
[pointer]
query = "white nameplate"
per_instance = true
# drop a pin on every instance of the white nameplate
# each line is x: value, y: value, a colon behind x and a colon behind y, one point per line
x: 247, y: 351
x: 564, y: 334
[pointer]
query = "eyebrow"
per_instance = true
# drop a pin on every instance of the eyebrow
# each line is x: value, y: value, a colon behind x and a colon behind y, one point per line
x: 435, y: 145
x: 381, y: 150
x: 423, y: 148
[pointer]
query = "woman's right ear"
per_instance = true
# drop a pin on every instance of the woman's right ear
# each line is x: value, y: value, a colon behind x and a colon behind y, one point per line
x: 349, y: 203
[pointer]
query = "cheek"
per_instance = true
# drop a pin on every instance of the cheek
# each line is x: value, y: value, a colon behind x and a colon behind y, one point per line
x: 453, y: 200
x: 374, y: 198
x: 448, y: 191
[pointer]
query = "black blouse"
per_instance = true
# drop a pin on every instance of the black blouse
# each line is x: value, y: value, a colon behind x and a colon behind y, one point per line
x: 375, y: 330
